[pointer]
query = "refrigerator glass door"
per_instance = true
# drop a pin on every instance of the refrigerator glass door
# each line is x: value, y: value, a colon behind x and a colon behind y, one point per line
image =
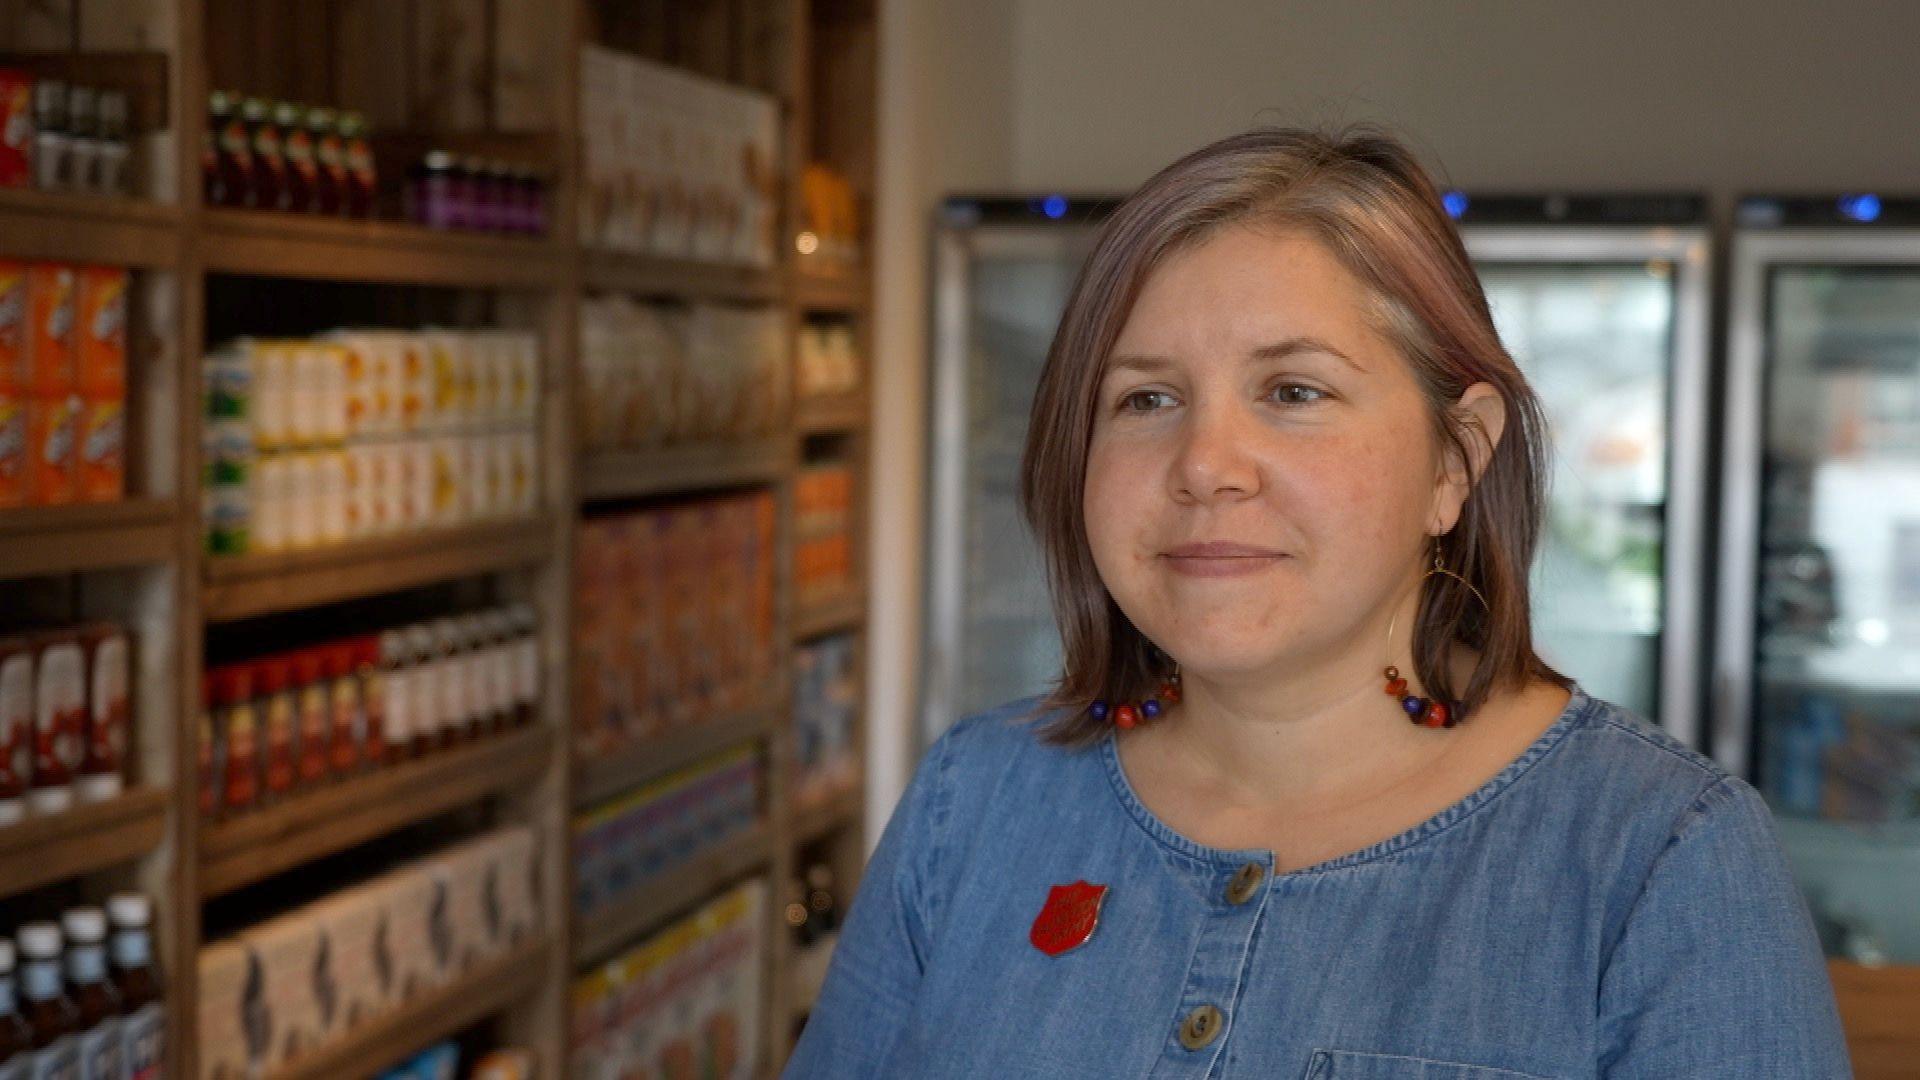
x: 1836, y: 623
x: 1597, y: 343
x: 999, y: 292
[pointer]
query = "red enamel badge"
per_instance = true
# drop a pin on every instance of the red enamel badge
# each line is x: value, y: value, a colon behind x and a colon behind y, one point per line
x: 1068, y: 919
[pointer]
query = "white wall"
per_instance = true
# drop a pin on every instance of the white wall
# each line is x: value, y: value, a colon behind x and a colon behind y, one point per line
x: 1094, y: 95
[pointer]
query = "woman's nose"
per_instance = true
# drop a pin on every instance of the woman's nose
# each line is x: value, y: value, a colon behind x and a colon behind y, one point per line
x: 1214, y: 454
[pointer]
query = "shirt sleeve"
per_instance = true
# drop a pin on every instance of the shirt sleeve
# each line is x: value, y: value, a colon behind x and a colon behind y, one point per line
x: 1718, y: 972
x: 884, y: 942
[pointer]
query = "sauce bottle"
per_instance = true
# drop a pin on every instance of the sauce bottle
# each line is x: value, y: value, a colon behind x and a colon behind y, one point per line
x: 424, y: 677
x: 16, y: 1038
x: 296, y: 145
x: 143, y: 1024
x: 526, y: 667
x: 51, y: 146
x: 360, y: 169
x: 234, y: 164
x: 83, y: 138
x: 267, y: 187
x: 93, y: 993
x: 330, y: 162
x: 51, y: 1017
x: 347, y: 725
x: 369, y: 672
x: 16, y: 727
x: 59, y: 723
x: 456, y: 700
x: 273, y: 697
x: 313, y: 705
x: 396, y: 694
x: 239, y: 721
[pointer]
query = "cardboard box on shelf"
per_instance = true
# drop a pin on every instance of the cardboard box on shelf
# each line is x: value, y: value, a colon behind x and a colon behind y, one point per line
x: 358, y: 947
x: 233, y: 1024
x: 298, y: 992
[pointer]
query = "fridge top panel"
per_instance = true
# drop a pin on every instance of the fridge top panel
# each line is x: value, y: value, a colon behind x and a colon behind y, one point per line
x: 1853, y: 210
x: 967, y: 211
x: 1569, y: 208
x: 1686, y: 245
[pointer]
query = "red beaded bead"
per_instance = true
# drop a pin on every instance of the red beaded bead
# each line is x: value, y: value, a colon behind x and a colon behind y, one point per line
x: 1125, y: 717
x: 1396, y: 687
x: 1437, y: 715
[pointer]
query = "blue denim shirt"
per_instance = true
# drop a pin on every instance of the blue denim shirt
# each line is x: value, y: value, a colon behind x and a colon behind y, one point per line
x: 1611, y: 904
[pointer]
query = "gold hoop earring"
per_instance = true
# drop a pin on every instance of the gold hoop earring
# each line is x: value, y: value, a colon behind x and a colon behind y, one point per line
x: 1425, y: 711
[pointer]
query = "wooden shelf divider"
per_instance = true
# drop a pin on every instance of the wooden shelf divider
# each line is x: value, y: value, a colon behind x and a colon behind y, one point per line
x: 829, y: 616
x: 86, y: 839
x: 671, y: 470
x: 669, y: 893
x: 681, y: 279
x: 88, y: 229
x: 331, y: 819
x: 242, y: 586
x: 384, y: 1041
x: 308, y: 246
x: 85, y: 536
x: 832, y: 414
x: 599, y: 778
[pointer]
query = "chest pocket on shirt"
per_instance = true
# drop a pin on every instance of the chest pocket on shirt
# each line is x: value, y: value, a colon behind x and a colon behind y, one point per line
x: 1353, y: 1065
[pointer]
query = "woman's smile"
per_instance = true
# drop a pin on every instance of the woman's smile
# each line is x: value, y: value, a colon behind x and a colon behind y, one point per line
x: 1220, y: 558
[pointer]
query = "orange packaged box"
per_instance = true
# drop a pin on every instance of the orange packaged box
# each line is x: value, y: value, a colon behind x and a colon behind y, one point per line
x: 52, y: 424
x: 48, y: 341
x: 13, y: 327
x: 13, y: 448
x: 101, y: 472
x: 101, y: 329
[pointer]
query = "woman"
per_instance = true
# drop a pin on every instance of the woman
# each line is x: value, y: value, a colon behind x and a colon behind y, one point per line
x: 1304, y: 801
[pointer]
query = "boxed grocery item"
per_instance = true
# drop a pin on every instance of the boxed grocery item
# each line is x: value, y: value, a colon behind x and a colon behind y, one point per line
x: 466, y: 876
x: 298, y: 991
x: 16, y: 128
x: 355, y: 925
x: 233, y: 1019
x: 101, y: 332
x: 49, y: 338
x: 16, y: 727
x: 517, y: 857
x: 101, y: 434
x: 109, y: 711
x: 52, y: 472
x: 417, y: 931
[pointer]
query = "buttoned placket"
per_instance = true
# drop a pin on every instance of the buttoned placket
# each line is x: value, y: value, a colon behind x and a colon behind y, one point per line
x: 1202, y: 1025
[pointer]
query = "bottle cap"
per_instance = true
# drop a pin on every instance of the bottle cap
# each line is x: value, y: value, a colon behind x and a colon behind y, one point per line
x: 130, y: 910
x: 40, y: 941
x: 85, y: 925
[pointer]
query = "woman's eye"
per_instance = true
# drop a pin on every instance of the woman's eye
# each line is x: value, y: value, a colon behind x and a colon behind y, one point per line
x: 1297, y: 394
x: 1141, y: 401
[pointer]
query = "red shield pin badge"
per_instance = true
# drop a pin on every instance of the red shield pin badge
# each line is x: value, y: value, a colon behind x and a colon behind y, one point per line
x: 1068, y: 918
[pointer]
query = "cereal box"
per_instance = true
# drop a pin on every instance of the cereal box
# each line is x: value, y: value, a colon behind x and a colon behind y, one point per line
x: 101, y: 349
x: 48, y: 341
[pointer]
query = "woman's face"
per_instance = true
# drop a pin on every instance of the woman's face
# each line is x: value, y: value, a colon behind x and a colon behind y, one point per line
x: 1263, y: 476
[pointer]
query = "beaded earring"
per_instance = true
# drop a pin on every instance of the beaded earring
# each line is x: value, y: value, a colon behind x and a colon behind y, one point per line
x: 1128, y: 714
x: 1420, y: 710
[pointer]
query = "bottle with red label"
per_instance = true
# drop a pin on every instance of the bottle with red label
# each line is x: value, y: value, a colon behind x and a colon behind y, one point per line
x: 330, y: 162
x: 233, y: 180
x: 237, y: 727
x: 296, y: 145
x: 59, y: 723
x: 314, y: 706
x: 279, y: 720
x: 369, y: 673
x: 361, y: 179
x: 268, y: 178
x: 143, y: 1023
x: 347, y: 725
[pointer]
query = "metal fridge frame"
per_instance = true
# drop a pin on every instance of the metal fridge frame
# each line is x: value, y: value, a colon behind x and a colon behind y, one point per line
x: 1755, y: 251
x: 1689, y: 248
x: 956, y: 241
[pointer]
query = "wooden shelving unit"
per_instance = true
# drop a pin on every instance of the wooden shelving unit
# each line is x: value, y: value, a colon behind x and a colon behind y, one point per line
x: 379, y: 1043
x: 243, y: 586
x: 670, y: 893
x: 265, y: 842
x: 84, y: 840
x: 144, y: 560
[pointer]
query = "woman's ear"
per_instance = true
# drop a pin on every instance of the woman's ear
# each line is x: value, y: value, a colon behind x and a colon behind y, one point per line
x: 1482, y: 414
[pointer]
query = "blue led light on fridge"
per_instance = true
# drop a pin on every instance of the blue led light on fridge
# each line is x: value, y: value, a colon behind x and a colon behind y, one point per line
x: 1054, y: 206
x: 1456, y: 204
x: 1862, y: 208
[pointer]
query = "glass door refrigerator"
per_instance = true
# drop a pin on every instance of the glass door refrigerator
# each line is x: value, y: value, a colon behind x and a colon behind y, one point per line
x: 1001, y: 273
x: 1816, y: 684
x: 1603, y: 302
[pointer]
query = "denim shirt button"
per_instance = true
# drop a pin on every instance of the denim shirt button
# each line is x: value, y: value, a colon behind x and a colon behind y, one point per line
x: 1246, y: 882
x: 1201, y: 1027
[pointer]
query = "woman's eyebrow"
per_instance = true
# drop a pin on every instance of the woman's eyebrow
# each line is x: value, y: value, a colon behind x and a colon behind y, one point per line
x: 1149, y: 363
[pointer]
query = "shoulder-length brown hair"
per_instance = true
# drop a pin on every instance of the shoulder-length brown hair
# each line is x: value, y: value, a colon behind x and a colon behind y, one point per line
x: 1361, y: 193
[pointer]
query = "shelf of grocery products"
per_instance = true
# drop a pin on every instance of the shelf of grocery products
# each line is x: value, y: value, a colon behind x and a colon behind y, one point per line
x: 368, y: 1050
x: 819, y: 618
x: 671, y: 891
x: 1877, y: 1007
x: 844, y: 808
x: 602, y: 777
x: 682, y: 279
x: 264, y: 842
x: 671, y: 470
x: 85, y: 536
x: 88, y: 229
x: 263, y: 243
x: 830, y: 414
x: 842, y: 291
x: 86, y: 839
x: 242, y: 586
x: 807, y: 972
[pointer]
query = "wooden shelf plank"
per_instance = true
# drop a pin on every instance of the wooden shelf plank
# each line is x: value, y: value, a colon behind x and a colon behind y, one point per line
x: 336, y: 817
x: 829, y: 616
x: 829, y: 414
x: 670, y: 893
x: 843, y: 292
x: 603, y: 777
x: 682, y: 279
x: 86, y: 839
x: 841, y: 810
x: 91, y: 536
x: 490, y: 987
x: 88, y: 229
x: 379, y: 252
x: 668, y: 470
x: 242, y: 586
